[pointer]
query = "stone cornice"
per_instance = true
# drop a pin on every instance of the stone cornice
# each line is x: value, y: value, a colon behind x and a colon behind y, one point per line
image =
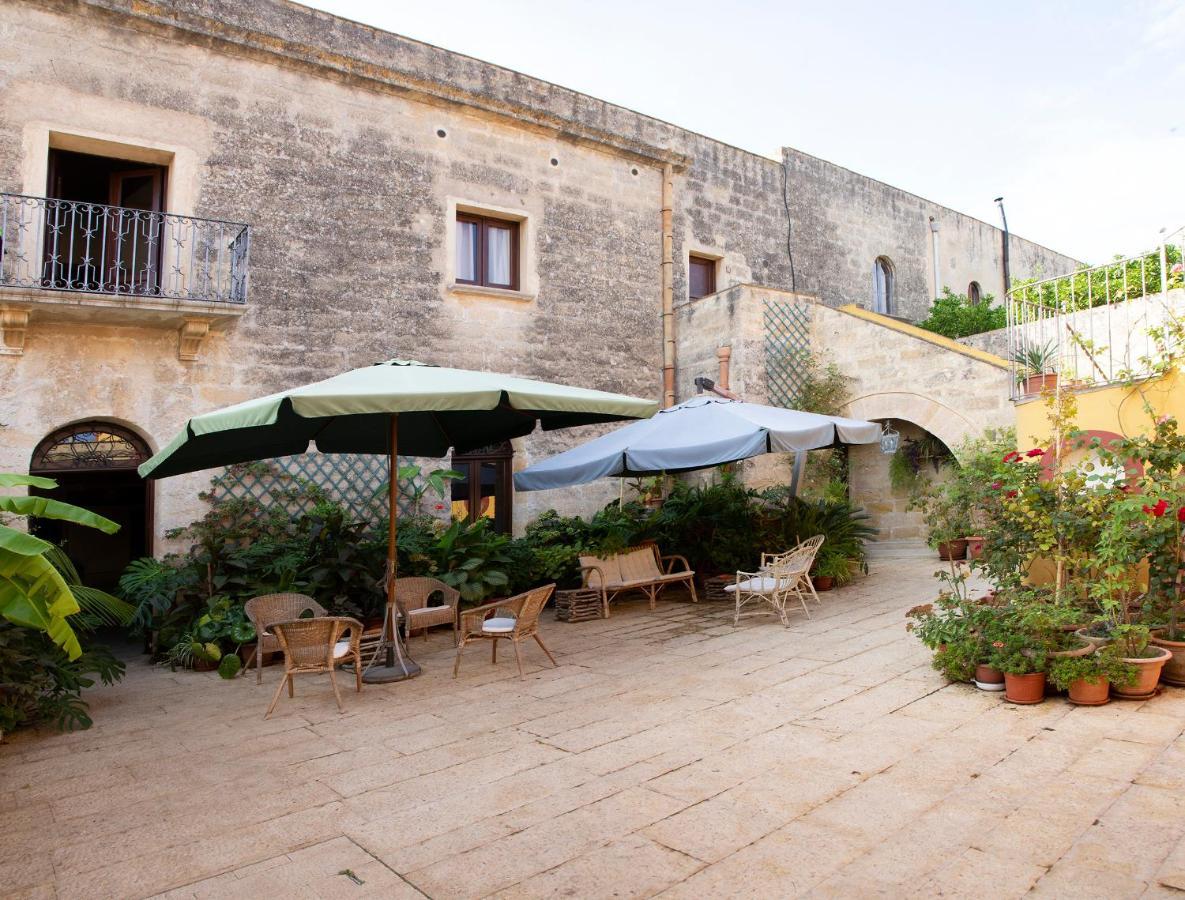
x: 304, y: 37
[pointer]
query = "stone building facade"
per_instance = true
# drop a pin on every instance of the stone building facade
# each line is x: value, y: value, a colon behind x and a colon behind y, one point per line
x: 350, y: 153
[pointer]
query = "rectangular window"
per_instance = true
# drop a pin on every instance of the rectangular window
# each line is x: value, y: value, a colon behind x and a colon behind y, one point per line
x: 701, y: 279
x: 487, y: 251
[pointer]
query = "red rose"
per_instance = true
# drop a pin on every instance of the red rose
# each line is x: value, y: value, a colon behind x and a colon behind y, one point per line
x: 1010, y: 494
x: 1036, y: 451
x: 1011, y: 456
x: 1181, y: 514
x: 1158, y: 510
x: 439, y: 506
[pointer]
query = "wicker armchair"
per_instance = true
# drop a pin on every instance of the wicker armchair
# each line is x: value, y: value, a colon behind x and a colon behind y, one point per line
x: 317, y: 645
x: 781, y: 577
x: 264, y: 612
x: 515, y: 619
x: 412, y: 596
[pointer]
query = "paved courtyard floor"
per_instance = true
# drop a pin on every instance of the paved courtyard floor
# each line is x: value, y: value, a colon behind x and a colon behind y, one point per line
x: 670, y: 754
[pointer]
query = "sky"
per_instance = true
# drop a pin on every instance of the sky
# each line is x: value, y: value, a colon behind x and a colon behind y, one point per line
x: 1073, y: 110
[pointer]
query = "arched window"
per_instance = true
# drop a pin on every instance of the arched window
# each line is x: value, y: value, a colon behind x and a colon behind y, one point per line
x: 974, y: 295
x: 89, y: 445
x: 883, y: 287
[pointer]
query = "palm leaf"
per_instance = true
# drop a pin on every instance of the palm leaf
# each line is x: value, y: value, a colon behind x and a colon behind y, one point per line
x: 11, y: 479
x: 98, y: 606
x: 33, y: 592
x: 45, y: 508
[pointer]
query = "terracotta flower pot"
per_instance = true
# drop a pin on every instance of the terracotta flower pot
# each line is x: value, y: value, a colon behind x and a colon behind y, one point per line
x: 1095, y: 639
x: 1090, y: 692
x: 956, y: 549
x: 1145, y: 684
x: 1035, y: 384
x: 823, y: 582
x: 1024, y: 689
x: 1088, y: 647
x: 989, y: 679
x: 1174, y: 669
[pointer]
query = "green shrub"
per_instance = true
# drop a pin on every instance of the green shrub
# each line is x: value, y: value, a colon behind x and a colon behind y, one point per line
x: 954, y: 316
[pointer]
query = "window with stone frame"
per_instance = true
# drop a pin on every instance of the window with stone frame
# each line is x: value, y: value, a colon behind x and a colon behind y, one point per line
x: 701, y: 276
x: 487, y: 251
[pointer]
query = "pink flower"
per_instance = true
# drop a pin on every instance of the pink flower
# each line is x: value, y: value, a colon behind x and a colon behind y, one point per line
x: 1177, y: 269
x: 997, y: 644
x: 996, y: 485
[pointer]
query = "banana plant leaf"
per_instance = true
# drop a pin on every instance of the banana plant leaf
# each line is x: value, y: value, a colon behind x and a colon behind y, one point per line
x: 32, y: 592
x: 46, y: 508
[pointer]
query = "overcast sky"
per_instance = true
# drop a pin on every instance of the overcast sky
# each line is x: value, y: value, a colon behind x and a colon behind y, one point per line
x: 1074, y: 110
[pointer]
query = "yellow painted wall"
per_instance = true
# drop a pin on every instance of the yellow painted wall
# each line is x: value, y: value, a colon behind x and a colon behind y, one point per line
x: 1116, y: 408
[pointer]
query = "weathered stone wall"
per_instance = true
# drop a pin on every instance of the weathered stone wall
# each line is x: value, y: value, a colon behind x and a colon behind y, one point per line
x: 325, y: 136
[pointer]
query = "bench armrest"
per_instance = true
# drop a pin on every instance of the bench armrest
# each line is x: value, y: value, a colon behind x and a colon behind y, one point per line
x: 671, y: 560
x: 584, y: 570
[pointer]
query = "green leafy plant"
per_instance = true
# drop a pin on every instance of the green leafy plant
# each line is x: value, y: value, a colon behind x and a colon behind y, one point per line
x: 1036, y: 359
x: 473, y: 559
x: 955, y: 316
x: 1103, y: 664
x: 33, y: 591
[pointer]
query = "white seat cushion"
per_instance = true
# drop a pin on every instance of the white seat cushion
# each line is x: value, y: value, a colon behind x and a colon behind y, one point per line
x: 757, y: 585
x: 498, y: 625
x: 340, y: 649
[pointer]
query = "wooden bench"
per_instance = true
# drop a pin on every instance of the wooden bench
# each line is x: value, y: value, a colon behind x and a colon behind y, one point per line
x: 635, y: 569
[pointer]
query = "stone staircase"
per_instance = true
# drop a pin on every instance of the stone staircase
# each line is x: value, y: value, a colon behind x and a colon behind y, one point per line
x: 902, y: 549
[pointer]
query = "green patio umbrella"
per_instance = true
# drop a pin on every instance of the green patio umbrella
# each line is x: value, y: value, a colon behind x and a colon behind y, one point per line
x: 394, y: 407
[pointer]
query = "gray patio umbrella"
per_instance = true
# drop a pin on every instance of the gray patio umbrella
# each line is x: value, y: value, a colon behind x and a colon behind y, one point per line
x: 696, y: 434
x: 393, y: 407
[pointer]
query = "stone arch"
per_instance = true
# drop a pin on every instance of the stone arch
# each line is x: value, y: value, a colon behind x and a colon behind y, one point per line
x: 94, y: 463
x: 946, y: 423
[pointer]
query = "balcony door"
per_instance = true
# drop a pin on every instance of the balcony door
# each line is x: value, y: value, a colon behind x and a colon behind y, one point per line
x: 103, y: 228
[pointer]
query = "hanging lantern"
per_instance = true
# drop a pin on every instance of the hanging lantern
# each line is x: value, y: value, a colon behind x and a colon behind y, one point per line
x: 890, y: 439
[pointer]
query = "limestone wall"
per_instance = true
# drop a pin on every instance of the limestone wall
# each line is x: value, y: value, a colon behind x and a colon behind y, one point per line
x: 349, y: 150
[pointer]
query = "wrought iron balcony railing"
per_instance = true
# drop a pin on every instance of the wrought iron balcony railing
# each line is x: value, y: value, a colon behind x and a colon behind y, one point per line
x: 64, y: 245
x: 1099, y: 325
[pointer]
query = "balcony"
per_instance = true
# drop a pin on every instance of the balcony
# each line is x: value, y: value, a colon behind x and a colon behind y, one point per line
x: 68, y: 260
x: 1098, y: 326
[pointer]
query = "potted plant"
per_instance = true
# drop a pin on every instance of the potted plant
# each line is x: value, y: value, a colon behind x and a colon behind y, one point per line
x: 1038, y: 366
x: 1022, y: 660
x: 1132, y: 646
x: 947, y: 518
x: 830, y: 570
x: 1089, y: 677
x: 215, y: 639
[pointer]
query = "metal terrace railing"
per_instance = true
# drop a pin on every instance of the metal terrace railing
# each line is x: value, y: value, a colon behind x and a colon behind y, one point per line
x: 65, y: 245
x: 1097, y: 325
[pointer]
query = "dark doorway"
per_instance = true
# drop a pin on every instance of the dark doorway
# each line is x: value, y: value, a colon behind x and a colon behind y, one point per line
x: 484, y: 490
x: 106, y: 233
x: 94, y: 464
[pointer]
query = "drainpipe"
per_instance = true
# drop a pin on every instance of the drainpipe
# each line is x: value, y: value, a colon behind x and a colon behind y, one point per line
x: 668, y: 287
x: 934, y: 239
x: 1007, y: 273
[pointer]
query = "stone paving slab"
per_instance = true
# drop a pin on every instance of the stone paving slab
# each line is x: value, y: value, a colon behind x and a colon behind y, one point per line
x: 670, y: 754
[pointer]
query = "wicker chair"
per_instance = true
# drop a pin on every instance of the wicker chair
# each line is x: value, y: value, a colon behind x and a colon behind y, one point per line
x: 515, y: 619
x: 782, y: 576
x: 413, y: 594
x: 264, y: 612
x: 317, y: 645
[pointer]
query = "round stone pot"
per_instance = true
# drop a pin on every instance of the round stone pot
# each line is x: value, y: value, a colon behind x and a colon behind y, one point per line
x: 1097, y: 640
x: 1024, y: 689
x: 1088, y: 647
x: 956, y: 549
x: 1174, y: 669
x: 1088, y: 692
x: 1145, y: 685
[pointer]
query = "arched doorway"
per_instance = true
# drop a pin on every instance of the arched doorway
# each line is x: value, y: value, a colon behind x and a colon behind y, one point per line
x: 94, y: 464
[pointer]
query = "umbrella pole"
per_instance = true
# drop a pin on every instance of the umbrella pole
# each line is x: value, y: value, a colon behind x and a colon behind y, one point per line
x: 397, y: 665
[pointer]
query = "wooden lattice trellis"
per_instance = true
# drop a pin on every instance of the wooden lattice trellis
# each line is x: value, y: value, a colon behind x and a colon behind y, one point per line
x: 787, y: 345
x: 354, y: 480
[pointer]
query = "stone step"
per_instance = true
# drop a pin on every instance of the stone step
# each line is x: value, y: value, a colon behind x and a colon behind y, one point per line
x: 914, y: 549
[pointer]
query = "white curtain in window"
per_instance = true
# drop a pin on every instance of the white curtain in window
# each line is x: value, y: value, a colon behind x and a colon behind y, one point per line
x: 467, y: 251
x: 498, y: 255
x: 882, y: 286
